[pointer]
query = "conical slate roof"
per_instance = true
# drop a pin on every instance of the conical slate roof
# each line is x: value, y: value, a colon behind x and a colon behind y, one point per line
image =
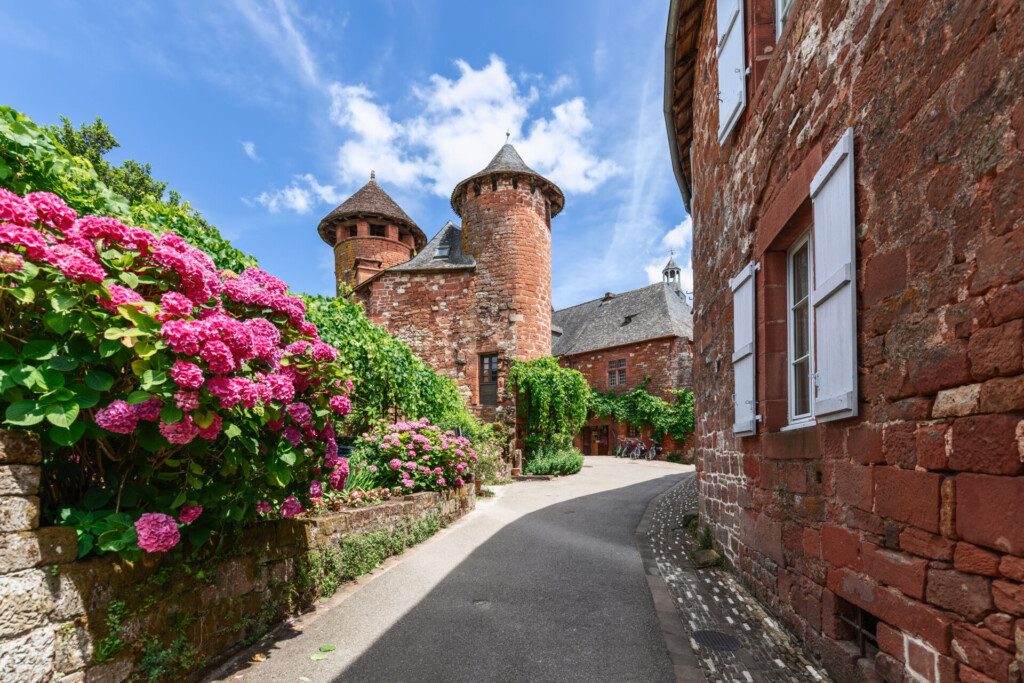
x: 508, y: 161
x: 671, y: 265
x: 369, y: 201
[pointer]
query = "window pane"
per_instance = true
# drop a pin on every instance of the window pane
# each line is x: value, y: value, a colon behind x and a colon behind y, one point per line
x: 800, y: 274
x: 801, y: 387
x: 801, y: 339
x: 489, y: 380
x: 622, y: 377
x: 611, y: 378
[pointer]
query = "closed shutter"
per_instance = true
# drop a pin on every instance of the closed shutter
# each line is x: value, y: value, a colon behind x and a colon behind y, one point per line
x: 732, y: 66
x: 835, y: 285
x: 744, y: 360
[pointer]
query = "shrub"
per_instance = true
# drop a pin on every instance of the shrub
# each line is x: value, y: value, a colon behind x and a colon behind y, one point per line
x: 552, y: 400
x: 640, y: 408
x: 554, y: 461
x: 418, y: 456
x: 159, y: 385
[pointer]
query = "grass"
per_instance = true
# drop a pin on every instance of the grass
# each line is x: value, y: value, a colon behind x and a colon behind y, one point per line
x: 557, y: 462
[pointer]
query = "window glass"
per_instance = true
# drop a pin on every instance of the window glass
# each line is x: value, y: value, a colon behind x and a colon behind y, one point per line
x: 799, y: 330
x: 378, y: 231
x: 489, y: 379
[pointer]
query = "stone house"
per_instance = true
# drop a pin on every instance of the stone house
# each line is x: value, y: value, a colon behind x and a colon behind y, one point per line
x: 473, y: 298
x: 619, y: 342
x: 854, y: 173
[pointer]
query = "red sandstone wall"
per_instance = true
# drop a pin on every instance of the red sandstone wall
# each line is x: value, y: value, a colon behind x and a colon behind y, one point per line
x: 389, y: 251
x: 507, y: 232
x: 665, y: 361
x: 913, y: 511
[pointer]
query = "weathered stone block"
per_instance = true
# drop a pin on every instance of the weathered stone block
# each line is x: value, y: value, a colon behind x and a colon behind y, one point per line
x: 989, y: 510
x: 49, y: 545
x: 19, y: 480
x: 908, y: 496
x: 19, y: 447
x: 28, y: 657
x: 965, y: 594
x: 27, y: 602
x: 19, y: 513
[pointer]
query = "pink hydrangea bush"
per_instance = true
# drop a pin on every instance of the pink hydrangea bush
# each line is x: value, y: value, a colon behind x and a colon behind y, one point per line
x: 160, y: 385
x: 418, y: 456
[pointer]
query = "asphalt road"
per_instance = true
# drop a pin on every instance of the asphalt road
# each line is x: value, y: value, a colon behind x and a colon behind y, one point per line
x: 542, y: 583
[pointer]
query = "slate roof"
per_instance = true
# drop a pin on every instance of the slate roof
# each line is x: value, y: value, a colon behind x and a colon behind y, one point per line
x: 431, y: 258
x: 369, y: 201
x: 653, y: 312
x: 508, y: 161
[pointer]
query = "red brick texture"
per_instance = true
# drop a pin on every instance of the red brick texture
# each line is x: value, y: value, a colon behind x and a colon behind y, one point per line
x: 914, y: 510
x: 503, y: 306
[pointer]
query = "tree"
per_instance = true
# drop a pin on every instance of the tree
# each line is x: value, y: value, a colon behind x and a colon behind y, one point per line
x: 132, y: 179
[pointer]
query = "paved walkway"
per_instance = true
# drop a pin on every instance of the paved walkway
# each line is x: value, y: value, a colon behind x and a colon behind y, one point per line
x: 712, y: 604
x: 542, y: 583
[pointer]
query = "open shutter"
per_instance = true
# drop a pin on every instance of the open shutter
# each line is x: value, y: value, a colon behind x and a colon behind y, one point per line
x: 834, y: 298
x: 744, y: 359
x: 732, y: 65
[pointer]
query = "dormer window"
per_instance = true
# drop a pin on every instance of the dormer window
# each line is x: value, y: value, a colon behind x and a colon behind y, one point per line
x: 443, y: 250
x: 628, y: 319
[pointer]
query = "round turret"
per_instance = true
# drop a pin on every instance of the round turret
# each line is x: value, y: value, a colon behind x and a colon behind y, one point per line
x: 369, y: 232
x: 506, y: 212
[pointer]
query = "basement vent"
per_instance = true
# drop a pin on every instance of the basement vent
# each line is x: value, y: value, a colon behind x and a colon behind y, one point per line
x: 716, y: 640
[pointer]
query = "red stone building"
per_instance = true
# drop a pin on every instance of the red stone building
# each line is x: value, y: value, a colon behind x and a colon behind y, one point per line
x: 619, y: 342
x: 854, y: 172
x: 474, y: 297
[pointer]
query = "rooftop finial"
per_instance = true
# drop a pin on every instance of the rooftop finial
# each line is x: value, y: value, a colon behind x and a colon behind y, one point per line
x: 508, y: 134
x: 671, y: 253
x: 373, y: 176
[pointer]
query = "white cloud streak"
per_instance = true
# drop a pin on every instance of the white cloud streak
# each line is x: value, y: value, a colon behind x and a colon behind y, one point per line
x: 249, y: 147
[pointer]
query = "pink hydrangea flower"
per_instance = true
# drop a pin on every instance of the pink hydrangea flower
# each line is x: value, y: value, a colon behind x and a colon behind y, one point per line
x: 118, y: 296
x: 218, y: 357
x: 75, y: 265
x: 459, y: 482
x: 291, y: 507
x: 440, y: 481
x: 118, y: 417
x: 300, y: 412
x: 157, y: 532
x: 210, y: 432
x: 187, y: 375
x: 316, y: 489
x: 293, y: 435
x: 11, y: 262
x: 183, y: 336
x: 148, y: 410
x: 189, y: 513
x: 263, y: 507
x: 52, y: 210
x: 181, y: 432
x: 324, y: 352
x: 186, y: 399
x: 341, y: 405
x: 174, y: 305
x: 14, y: 209
x: 395, y: 464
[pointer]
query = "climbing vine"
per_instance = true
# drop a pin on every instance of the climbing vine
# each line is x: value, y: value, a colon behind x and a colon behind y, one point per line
x: 640, y: 408
x: 552, y: 400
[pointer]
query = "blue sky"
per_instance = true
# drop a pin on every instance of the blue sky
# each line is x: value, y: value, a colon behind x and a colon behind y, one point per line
x: 267, y: 113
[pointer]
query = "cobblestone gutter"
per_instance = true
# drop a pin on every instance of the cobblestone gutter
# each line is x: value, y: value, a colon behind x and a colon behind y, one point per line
x: 716, y: 626
x: 103, y: 619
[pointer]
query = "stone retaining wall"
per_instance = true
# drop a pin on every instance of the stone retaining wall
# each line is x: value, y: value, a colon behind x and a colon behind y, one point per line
x: 103, y: 619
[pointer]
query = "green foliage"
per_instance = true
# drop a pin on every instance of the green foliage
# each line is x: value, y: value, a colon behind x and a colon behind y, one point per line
x: 113, y: 642
x: 35, y: 158
x: 552, y: 400
x: 160, y: 663
x: 390, y: 381
x: 554, y: 461
x: 642, y: 409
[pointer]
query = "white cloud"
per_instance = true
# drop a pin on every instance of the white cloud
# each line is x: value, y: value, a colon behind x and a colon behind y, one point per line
x: 304, y: 192
x: 275, y: 23
x: 461, y: 125
x: 249, y: 147
x: 561, y: 84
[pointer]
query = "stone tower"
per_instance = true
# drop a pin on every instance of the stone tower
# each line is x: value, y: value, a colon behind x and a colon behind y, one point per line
x: 506, y: 212
x: 369, y: 232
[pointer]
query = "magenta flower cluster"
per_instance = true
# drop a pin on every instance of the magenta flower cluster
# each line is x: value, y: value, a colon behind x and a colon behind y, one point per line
x: 216, y: 351
x: 420, y: 456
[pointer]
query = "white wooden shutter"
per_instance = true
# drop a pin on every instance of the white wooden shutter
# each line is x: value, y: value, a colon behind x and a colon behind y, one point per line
x: 744, y: 359
x: 732, y: 65
x: 834, y: 298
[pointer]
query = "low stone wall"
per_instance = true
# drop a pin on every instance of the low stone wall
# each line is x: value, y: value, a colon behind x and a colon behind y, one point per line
x: 169, y: 617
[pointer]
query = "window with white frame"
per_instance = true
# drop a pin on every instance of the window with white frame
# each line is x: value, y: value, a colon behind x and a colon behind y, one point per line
x: 799, y: 284
x: 617, y: 373
x: 782, y: 8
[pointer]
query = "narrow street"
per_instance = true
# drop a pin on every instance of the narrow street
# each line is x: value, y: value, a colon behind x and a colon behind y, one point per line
x: 542, y: 583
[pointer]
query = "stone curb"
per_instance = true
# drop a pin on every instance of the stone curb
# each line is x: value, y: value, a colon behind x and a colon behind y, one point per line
x: 684, y: 660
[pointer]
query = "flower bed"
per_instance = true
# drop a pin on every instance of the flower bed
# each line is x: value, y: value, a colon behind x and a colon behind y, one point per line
x: 172, y: 398
x: 418, y: 456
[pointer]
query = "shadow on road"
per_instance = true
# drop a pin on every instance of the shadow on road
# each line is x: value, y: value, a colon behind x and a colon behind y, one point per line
x: 557, y: 595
